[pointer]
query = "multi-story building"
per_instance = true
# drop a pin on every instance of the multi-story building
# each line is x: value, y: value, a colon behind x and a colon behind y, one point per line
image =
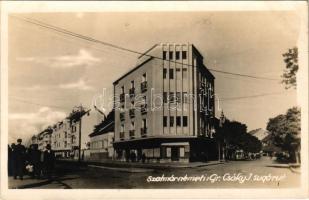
x: 164, y: 107
x: 44, y: 138
x: 65, y: 138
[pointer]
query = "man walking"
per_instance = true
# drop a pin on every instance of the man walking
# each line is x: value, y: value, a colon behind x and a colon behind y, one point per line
x: 49, y: 161
x: 19, y: 157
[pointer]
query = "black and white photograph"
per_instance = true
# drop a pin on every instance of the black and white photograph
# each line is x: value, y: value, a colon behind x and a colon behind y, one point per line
x: 169, y: 96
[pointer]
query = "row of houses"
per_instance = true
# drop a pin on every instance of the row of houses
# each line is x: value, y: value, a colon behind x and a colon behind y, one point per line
x: 164, y: 111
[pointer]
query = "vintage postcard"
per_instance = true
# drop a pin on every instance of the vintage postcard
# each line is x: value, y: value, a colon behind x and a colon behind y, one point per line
x: 154, y: 100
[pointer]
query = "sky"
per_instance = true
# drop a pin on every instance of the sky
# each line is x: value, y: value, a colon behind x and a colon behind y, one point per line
x: 50, y: 73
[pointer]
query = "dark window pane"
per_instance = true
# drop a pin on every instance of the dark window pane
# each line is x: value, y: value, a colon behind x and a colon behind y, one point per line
x: 184, y: 55
x: 164, y: 73
x: 177, y: 55
x: 185, y: 121
x: 171, y: 121
x: 178, y: 121
x: 165, y: 121
x: 164, y: 55
x: 164, y: 97
x: 170, y: 55
x: 171, y: 73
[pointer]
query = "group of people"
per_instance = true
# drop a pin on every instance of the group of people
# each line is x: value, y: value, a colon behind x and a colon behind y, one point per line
x: 38, y: 164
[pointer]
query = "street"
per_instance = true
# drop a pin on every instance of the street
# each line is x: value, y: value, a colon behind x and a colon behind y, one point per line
x: 232, y: 174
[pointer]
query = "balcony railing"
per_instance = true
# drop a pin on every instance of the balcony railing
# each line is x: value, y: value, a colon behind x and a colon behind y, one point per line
x: 121, y: 96
x: 121, y: 135
x: 144, y: 86
x: 132, y: 92
x: 144, y: 132
x: 132, y: 112
x: 132, y: 133
x: 122, y: 116
x: 144, y: 109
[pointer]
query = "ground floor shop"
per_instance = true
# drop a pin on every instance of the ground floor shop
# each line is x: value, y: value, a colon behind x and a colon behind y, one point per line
x: 163, y: 150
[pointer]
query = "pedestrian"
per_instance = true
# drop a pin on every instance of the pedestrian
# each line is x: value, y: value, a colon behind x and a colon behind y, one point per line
x: 10, y: 160
x: 143, y: 158
x: 19, y: 160
x: 49, y: 161
x: 34, y: 160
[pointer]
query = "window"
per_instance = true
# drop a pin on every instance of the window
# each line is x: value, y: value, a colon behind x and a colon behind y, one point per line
x: 144, y: 124
x: 171, y: 121
x: 172, y: 97
x: 164, y: 121
x: 170, y: 55
x: 171, y: 73
x: 178, y: 97
x: 184, y: 121
x: 164, y: 55
x: 122, y: 128
x: 178, y: 121
x: 144, y: 77
x: 184, y: 55
x: 178, y: 74
x: 185, y: 97
x: 177, y: 55
x: 182, y: 152
x: 122, y: 90
x: 164, y: 97
x: 132, y: 126
x: 132, y: 84
x: 164, y: 73
x: 184, y: 73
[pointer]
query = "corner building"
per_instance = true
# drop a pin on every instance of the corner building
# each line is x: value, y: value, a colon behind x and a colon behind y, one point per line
x: 164, y: 107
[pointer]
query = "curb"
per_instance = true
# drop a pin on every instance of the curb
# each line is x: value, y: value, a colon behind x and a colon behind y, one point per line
x: 131, y: 170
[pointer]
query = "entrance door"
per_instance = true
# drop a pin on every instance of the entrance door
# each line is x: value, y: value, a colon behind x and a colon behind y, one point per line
x: 174, y: 153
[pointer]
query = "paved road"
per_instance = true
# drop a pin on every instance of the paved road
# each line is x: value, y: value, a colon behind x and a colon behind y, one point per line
x: 228, y: 175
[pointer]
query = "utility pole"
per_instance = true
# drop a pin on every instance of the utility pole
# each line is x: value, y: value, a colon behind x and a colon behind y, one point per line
x: 222, y: 121
x: 80, y: 134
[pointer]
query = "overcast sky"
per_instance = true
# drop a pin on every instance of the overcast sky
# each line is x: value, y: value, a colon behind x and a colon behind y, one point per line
x: 49, y: 73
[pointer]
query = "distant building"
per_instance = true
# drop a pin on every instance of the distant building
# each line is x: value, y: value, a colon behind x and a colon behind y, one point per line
x: 259, y: 133
x: 65, y: 139
x: 44, y: 138
x: 164, y: 107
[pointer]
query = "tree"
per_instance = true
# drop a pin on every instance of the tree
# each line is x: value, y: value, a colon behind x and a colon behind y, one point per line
x: 291, y: 61
x: 285, y: 130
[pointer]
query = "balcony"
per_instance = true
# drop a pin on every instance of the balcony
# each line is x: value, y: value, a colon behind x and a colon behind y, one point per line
x: 132, y: 112
x: 121, y: 135
x: 144, y: 86
x: 121, y: 96
x: 144, y: 109
x: 144, y: 132
x: 132, y: 92
x: 122, y: 116
x: 132, y: 133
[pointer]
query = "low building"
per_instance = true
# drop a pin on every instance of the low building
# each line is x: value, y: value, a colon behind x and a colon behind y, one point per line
x: 101, y: 140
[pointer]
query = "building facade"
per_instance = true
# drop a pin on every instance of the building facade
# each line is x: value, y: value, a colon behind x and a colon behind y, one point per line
x: 44, y: 138
x: 101, y: 140
x: 164, y: 107
x: 65, y: 138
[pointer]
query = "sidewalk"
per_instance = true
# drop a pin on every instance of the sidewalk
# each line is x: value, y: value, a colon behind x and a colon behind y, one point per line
x: 27, y: 182
x: 294, y: 167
